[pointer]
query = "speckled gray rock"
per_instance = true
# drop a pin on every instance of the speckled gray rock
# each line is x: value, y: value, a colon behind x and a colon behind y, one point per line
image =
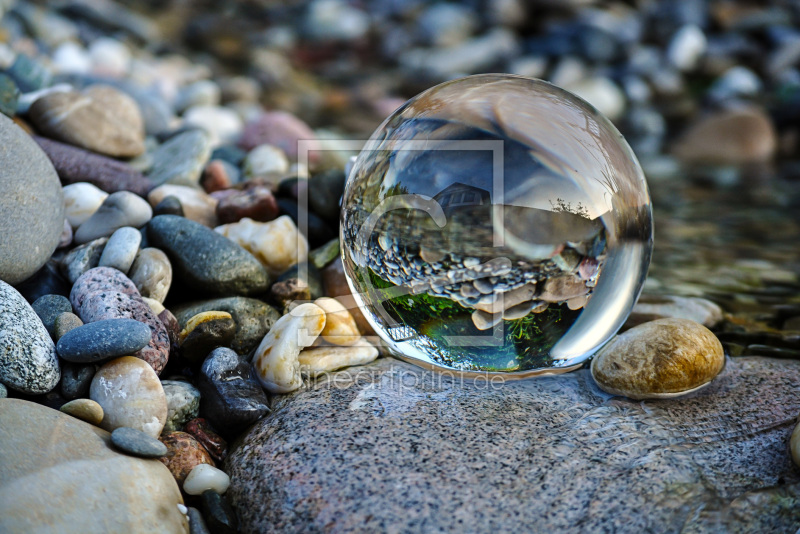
x: 122, y: 208
x: 101, y: 340
x: 180, y: 160
x: 48, y: 308
x: 183, y: 403
x: 61, y: 475
x: 552, y: 454
x: 28, y: 361
x: 205, y: 260
x: 121, y: 249
x: 82, y: 258
x: 253, y: 318
x: 31, y: 203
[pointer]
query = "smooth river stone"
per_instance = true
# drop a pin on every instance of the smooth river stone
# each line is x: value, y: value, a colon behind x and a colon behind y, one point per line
x: 75, y: 165
x: 99, y: 118
x: 205, y: 260
x: 105, y: 293
x: 151, y: 272
x: 81, y: 200
x: 180, y: 160
x: 131, y: 395
x: 31, y: 202
x: 119, y: 209
x: 82, y: 258
x: 183, y: 454
x: 523, y: 456
x: 28, y: 361
x: 61, y: 475
x: 121, y: 249
x: 101, y: 340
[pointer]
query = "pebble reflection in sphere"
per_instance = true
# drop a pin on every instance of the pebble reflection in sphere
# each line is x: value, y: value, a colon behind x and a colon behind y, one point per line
x: 496, y: 223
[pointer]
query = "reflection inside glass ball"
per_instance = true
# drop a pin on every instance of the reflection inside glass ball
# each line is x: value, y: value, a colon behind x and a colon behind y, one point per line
x: 496, y: 223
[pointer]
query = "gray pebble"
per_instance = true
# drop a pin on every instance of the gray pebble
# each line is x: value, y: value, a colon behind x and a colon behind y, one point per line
x: 82, y: 258
x: 137, y: 443
x: 121, y: 249
x: 122, y: 208
x: 152, y: 273
x: 76, y: 378
x: 181, y: 159
x: 48, y: 308
x: 197, y: 525
x: 100, y: 340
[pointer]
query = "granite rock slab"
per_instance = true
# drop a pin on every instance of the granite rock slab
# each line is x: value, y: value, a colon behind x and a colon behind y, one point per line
x: 399, y: 448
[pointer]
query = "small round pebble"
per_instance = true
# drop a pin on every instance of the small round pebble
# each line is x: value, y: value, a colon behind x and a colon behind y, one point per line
x: 122, y: 208
x: 137, y: 443
x: 64, y: 323
x: 104, y: 339
x: 121, y: 249
x: 206, y: 477
x: 85, y: 410
x: 48, y: 308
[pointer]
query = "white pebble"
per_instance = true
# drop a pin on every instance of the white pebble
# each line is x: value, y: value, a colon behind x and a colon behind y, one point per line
x: 182, y: 509
x: 121, y: 249
x: 109, y: 57
x: 686, y: 47
x: 81, y: 200
x: 265, y: 160
x: 72, y: 58
x: 206, y: 477
x: 277, y: 244
x: 222, y: 124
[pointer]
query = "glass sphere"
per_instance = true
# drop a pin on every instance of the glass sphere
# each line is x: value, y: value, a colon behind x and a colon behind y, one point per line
x: 496, y: 223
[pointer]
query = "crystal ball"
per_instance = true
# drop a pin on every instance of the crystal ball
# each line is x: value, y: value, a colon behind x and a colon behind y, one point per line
x: 496, y: 224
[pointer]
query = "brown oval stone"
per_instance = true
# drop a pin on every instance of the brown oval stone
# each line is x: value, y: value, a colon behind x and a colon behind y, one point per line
x: 659, y: 359
x: 183, y: 453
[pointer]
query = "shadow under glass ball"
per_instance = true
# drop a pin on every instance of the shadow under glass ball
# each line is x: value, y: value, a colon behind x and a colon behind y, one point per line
x: 496, y: 223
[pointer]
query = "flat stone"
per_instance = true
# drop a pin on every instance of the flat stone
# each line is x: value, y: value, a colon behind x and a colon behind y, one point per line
x: 102, y: 340
x: 183, y: 403
x: 82, y: 258
x: 180, y: 160
x: 48, y: 308
x: 121, y: 249
x: 232, y: 398
x: 253, y: 318
x: 75, y: 165
x: 32, y: 205
x: 28, y: 361
x: 699, y: 463
x: 85, y: 410
x: 99, y: 118
x: 652, y: 307
x: 131, y: 395
x: 50, y: 485
x: 205, y: 260
x: 137, y: 443
x: 119, y: 209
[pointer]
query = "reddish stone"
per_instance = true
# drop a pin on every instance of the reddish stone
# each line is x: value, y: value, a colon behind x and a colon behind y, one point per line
x: 283, y: 130
x: 183, y: 454
x: 255, y: 202
x: 202, y: 431
x: 215, y: 177
x: 74, y: 165
x: 105, y: 293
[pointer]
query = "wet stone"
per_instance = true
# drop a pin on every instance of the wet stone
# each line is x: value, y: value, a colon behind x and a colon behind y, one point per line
x: 215, y: 444
x: 137, y: 443
x: 253, y: 318
x: 48, y: 308
x: 100, y: 340
x: 204, y: 332
x: 183, y: 403
x: 76, y: 379
x: 219, y: 515
x: 232, y: 398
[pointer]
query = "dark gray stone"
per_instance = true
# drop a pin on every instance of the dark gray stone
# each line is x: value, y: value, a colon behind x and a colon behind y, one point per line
x: 171, y: 205
x: 218, y: 514
x: 76, y: 378
x: 180, y: 160
x: 46, y: 281
x: 253, y: 318
x: 48, y: 308
x: 205, y: 260
x: 31, y: 202
x: 232, y: 398
x: 392, y: 445
x: 82, y: 258
x: 101, y: 340
x: 197, y: 525
x: 324, y: 192
x: 137, y: 443
x: 28, y: 361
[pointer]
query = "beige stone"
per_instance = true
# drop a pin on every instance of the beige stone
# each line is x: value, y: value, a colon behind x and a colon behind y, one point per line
x: 509, y: 299
x: 197, y: 205
x: 85, y: 410
x: 130, y: 394
x: 340, y: 327
x: 659, y: 359
x: 276, y: 244
x: 275, y: 360
x: 316, y: 361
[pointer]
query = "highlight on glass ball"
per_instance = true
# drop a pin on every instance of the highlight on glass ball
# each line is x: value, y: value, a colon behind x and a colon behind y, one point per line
x: 496, y: 223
